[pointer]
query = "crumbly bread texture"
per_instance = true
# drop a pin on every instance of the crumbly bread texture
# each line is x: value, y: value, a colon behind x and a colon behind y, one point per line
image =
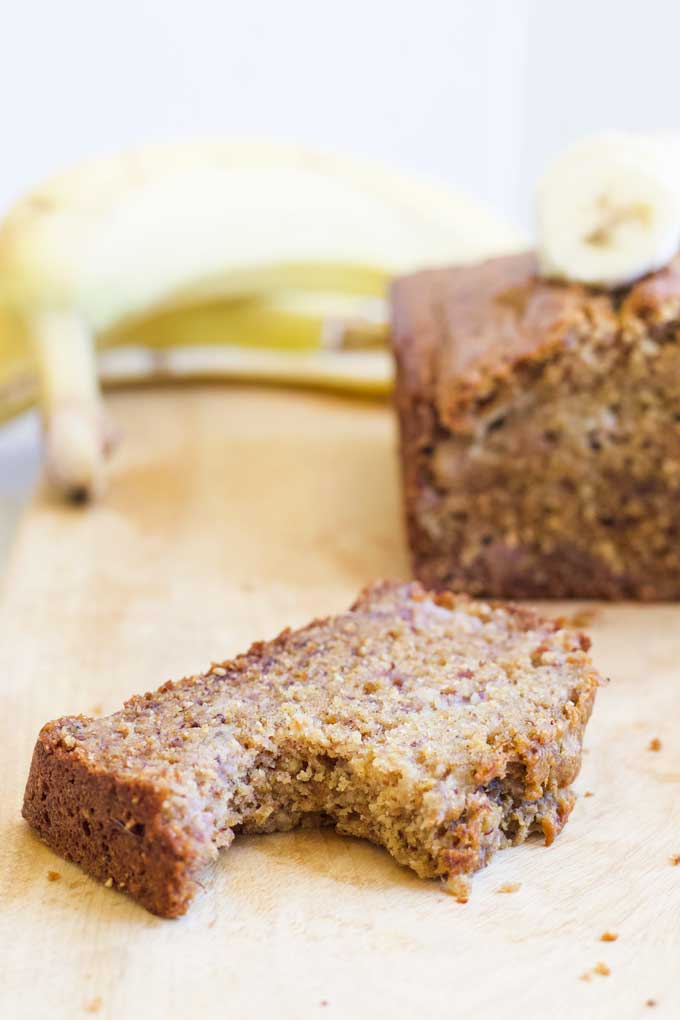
x: 438, y: 727
x: 540, y: 432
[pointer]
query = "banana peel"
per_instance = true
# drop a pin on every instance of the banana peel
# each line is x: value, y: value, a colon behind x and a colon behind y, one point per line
x: 175, y: 253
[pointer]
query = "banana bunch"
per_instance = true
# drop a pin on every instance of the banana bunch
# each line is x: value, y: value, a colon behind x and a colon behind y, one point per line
x: 208, y: 261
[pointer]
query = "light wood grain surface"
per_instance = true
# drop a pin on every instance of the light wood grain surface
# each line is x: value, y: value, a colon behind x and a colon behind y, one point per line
x: 230, y: 514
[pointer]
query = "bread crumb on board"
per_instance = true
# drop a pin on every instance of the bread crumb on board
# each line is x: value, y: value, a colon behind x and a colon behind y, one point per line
x: 654, y: 744
x: 608, y: 936
x: 650, y: 1002
x: 600, y: 968
x: 589, y: 793
x: 675, y: 859
x: 458, y: 886
x: 53, y: 876
x: 94, y: 1005
x: 581, y: 618
x: 509, y: 887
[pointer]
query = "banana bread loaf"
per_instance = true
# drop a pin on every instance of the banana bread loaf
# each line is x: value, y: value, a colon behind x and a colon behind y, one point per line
x: 441, y: 728
x: 540, y: 432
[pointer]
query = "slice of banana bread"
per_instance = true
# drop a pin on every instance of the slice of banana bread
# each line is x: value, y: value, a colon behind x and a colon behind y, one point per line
x: 540, y: 432
x: 441, y: 728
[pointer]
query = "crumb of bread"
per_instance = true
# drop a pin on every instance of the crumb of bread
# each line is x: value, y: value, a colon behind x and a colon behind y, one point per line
x: 581, y: 618
x: 589, y: 793
x: 509, y: 887
x: 608, y: 936
x: 94, y: 1005
x: 53, y: 876
x: 459, y: 887
x: 654, y: 744
x: 599, y: 968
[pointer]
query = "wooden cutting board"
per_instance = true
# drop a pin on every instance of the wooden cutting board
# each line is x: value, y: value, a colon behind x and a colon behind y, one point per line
x: 230, y: 514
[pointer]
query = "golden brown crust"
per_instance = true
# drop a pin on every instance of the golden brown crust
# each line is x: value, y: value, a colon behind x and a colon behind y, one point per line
x: 438, y: 727
x: 459, y: 333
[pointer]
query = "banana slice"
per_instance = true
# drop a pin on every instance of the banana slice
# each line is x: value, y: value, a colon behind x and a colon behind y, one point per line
x: 609, y: 209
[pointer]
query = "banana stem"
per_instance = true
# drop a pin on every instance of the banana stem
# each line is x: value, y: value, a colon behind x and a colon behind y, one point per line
x: 76, y: 437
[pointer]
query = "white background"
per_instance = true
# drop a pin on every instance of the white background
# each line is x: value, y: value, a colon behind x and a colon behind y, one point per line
x: 475, y: 92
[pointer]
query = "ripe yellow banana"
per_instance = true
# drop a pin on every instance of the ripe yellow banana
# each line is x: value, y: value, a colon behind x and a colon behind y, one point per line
x: 284, y: 321
x: 176, y: 344
x: 362, y: 373
x: 189, y: 243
